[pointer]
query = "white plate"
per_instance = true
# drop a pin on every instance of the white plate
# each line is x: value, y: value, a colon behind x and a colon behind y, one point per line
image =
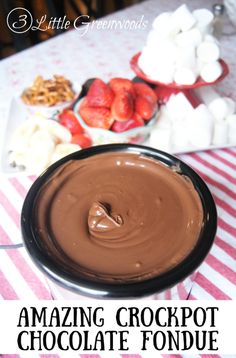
x: 17, y: 114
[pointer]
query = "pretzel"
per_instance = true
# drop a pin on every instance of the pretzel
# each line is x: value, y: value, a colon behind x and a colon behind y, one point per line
x: 49, y: 92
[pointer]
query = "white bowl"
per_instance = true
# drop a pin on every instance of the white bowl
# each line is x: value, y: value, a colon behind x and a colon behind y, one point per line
x: 46, y: 111
x: 105, y: 136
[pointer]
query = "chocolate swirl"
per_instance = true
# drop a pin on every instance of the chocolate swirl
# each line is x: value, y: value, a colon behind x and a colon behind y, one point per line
x: 102, y: 223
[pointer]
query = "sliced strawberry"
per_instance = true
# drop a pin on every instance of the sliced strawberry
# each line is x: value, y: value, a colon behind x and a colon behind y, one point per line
x: 68, y: 119
x: 142, y: 89
x: 135, y: 121
x: 96, y: 117
x: 145, y: 107
x: 83, y: 140
x: 138, y: 118
x: 118, y: 84
x: 99, y: 94
x: 84, y: 103
x: 122, y: 107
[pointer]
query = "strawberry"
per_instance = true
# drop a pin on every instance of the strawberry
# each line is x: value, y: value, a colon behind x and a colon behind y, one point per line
x: 84, y: 103
x: 83, y: 140
x: 118, y: 84
x: 142, y: 89
x: 135, y: 121
x: 99, y: 94
x: 97, y: 117
x: 68, y: 119
x: 145, y: 107
x: 122, y: 106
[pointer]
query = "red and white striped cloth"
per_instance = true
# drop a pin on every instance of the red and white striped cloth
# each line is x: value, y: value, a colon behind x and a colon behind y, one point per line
x: 116, y: 355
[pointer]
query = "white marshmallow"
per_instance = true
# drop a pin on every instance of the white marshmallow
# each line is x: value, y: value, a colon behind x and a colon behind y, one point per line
x: 231, y: 105
x: 156, y: 67
x: 220, y: 108
x: 183, y: 18
x: 220, y: 133
x: 201, y: 127
x: 185, y: 76
x: 178, y: 107
x: 160, y: 139
x: 210, y: 72
x: 211, y: 38
x: 164, y: 119
x: 161, y: 20
x: 164, y: 56
x: 167, y: 52
x: 204, y: 19
x: 199, y: 64
x: 186, y: 57
x: 180, y: 137
x: 155, y: 42
x: 165, y: 26
x: 231, y: 121
x: 152, y: 39
x: 192, y: 37
x: 162, y: 73
x: 208, y: 51
x: 147, y: 59
x: 206, y: 94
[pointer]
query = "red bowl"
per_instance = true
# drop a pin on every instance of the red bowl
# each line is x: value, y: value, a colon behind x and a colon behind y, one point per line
x: 199, y: 82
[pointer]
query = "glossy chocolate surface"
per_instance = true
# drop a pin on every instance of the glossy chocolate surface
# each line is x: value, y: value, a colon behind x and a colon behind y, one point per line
x: 119, y: 216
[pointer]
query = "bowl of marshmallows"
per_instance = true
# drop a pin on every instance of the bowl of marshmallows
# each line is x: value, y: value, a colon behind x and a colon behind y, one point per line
x: 181, y: 50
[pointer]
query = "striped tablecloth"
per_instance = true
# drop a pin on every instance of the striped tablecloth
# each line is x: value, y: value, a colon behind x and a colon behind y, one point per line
x: 104, y: 53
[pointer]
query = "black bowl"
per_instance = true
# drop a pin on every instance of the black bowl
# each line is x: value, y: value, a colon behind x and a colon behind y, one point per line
x: 71, y: 280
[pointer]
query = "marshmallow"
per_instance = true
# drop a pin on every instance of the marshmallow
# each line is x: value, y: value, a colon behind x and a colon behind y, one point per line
x: 183, y: 18
x: 178, y: 107
x: 186, y: 57
x: 176, y: 44
x: 210, y: 72
x: 220, y: 133
x: 163, y: 73
x: 160, y: 139
x: 200, y: 127
x: 185, y: 76
x: 164, y: 120
x: 180, y: 137
x: 220, y: 108
x: 192, y: 37
x: 161, y: 20
x: 204, y: 20
x: 164, y: 25
x: 147, y: 59
x: 156, y: 67
x: 167, y: 52
x: 208, y: 51
x: 231, y: 121
x: 231, y: 105
x: 152, y: 39
x: 199, y: 65
x: 211, y: 38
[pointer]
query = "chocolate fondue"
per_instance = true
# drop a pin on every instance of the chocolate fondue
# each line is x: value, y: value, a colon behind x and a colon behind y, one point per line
x: 119, y: 216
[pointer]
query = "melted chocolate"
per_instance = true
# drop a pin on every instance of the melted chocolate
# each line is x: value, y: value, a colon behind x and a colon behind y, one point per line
x: 120, y: 216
